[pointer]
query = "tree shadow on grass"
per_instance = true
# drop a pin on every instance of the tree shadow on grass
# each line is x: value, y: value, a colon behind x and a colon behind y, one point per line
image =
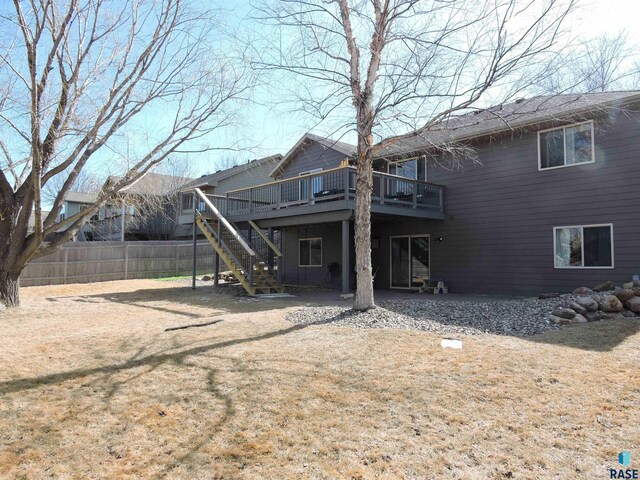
x: 229, y: 300
x: 602, y: 336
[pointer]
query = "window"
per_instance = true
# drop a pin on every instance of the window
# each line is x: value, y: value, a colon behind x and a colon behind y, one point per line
x: 310, y: 252
x: 187, y: 201
x: 566, y: 146
x: 316, y: 183
x: 413, y: 169
x: 583, y: 246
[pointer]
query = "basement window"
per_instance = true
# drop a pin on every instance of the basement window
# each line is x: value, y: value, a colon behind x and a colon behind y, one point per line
x: 565, y: 146
x: 589, y: 246
x: 310, y: 252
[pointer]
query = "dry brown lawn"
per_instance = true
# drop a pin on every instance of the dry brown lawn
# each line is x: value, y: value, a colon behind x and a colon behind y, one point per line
x: 91, y: 386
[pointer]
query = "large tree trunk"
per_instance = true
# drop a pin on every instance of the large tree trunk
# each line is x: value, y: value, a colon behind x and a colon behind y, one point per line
x: 364, y: 186
x: 9, y: 289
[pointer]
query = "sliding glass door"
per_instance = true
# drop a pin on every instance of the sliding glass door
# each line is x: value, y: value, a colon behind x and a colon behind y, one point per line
x: 409, y: 260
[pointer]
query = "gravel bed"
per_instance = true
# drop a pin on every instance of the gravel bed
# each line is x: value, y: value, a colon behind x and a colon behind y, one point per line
x: 522, y: 317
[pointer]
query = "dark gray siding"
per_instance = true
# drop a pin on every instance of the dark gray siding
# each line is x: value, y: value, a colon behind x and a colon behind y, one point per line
x: 331, y: 234
x: 311, y: 157
x: 248, y: 177
x: 498, y: 232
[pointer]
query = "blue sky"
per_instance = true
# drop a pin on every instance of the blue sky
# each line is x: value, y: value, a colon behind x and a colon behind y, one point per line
x: 275, y: 129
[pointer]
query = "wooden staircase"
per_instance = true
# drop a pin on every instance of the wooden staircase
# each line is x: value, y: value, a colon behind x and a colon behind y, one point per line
x: 236, y: 252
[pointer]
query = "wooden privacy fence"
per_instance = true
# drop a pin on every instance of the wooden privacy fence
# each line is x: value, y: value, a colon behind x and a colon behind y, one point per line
x: 83, y: 262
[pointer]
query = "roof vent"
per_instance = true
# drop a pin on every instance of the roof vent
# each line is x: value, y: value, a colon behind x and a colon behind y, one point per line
x: 520, y: 100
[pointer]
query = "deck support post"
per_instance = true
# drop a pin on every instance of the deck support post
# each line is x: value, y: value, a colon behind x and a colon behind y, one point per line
x: 193, y: 271
x: 346, y: 268
x: 270, y: 236
x: 216, y: 269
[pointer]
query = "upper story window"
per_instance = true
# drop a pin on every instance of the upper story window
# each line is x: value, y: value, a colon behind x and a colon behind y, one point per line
x: 588, y: 246
x: 566, y: 146
x: 415, y: 169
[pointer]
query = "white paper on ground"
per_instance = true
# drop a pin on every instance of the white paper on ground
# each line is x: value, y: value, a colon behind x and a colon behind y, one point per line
x: 448, y: 343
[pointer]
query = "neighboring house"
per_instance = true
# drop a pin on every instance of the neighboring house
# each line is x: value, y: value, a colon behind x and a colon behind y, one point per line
x: 254, y: 172
x: 551, y: 203
x: 145, y: 210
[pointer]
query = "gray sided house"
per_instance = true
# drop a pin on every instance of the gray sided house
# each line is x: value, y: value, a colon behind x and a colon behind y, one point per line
x: 145, y: 210
x: 540, y: 195
x: 254, y: 172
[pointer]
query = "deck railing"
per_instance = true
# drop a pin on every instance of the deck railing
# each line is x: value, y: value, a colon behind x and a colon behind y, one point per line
x: 332, y: 185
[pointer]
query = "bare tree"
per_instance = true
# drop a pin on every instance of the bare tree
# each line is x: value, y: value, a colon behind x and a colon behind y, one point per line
x: 86, y: 182
x: 396, y: 68
x: 596, y: 65
x: 82, y: 79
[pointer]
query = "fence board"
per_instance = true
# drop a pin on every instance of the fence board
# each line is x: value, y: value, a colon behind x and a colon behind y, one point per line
x: 83, y: 262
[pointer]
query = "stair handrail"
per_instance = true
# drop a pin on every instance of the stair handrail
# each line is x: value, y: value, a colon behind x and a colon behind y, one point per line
x: 225, y: 222
x: 268, y: 241
x: 215, y: 235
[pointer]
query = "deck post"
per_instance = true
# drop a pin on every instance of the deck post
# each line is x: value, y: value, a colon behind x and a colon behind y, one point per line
x: 193, y: 271
x: 271, y: 255
x: 346, y: 269
x: 251, y: 265
x: 216, y: 269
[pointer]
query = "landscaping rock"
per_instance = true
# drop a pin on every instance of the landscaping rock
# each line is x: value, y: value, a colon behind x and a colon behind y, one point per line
x: 206, y: 278
x: 627, y: 285
x: 593, y: 316
x: 633, y: 304
x: 582, y: 291
x: 611, y: 315
x: 628, y: 314
x: 610, y: 303
x: 636, y: 290
x: 603, y: 287
x: 579, y: 319
x: 560, y: 320
x: 564, y: 313
x: 519, y: 317
x: 544, y: 296
x: 576, y: 307
x: 625, y: 294
x: 588, y: 303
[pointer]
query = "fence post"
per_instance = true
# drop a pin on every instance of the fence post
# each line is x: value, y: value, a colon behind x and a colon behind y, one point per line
x: 177, y: 260
x: 126, y: 262
x: 66, y: 261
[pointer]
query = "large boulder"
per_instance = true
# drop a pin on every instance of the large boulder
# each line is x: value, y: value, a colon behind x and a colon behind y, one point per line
x: 625, y: 294
x: 593, y: 316
x: 633, y: 304
x: 603, y: 287
x: 582, y: 291
x: 576, y: 307
x: 564, y: 313
x: 611, y: 304
x: 579, y: 319
x: 560, y: 320
x: 588, y: 303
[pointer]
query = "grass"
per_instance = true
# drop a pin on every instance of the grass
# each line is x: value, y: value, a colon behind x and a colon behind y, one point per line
x: 92, y: 387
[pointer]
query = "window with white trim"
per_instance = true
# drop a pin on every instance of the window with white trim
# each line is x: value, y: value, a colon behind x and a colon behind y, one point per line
x: 588, y: 246
x: 310, y: 252
x: 566, y: 146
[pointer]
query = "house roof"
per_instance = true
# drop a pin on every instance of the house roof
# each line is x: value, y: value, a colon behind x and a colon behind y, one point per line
x: 345, y: 148
x: 81, y: 197
x: 154, y: 184
x: 511, y: 116
x: 214, y: 178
